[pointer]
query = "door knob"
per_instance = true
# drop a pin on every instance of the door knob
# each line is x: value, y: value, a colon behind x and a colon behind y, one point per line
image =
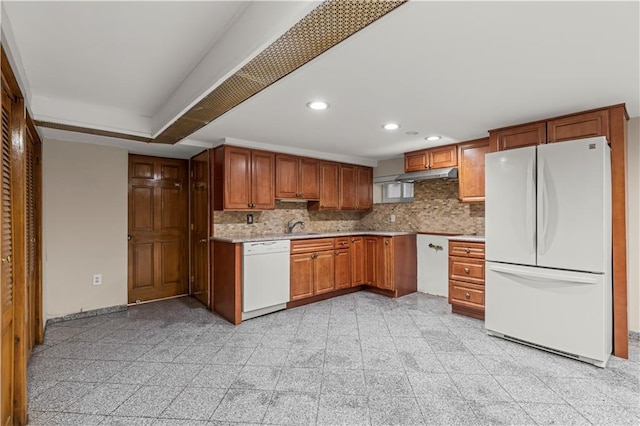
x: 204, y: 240
x: 129, y: 237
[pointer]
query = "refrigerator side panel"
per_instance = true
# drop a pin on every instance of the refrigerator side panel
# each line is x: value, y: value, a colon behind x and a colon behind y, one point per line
x: 510, y: 200
x: 561, y: 310
x: 574, y: 205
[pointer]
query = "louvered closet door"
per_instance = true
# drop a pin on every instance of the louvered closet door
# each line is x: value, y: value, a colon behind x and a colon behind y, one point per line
x: 6, y: 300
x: 31, y: 240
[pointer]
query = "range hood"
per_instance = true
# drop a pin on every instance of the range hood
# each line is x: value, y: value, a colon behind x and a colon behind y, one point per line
x: 444, y: 173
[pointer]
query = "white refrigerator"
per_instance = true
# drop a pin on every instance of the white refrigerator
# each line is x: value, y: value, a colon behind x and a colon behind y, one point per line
x: 548, y: 247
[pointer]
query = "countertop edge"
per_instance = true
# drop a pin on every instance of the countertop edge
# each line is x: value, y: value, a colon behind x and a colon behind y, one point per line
x: 472, y: 238
x: 249, y: 239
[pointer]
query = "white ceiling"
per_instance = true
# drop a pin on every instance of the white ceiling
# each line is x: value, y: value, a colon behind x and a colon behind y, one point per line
x: 447, y: 68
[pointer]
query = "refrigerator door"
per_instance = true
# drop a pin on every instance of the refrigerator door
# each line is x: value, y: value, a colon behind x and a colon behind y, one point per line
x: 563, y: 311
x: 510, y: 206
x: 574, y: 205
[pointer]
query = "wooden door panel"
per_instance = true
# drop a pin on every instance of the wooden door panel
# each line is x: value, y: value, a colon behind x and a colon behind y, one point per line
x: 286, y: 176
x: 301, y: 270
x: 172, y: 214
x: 443, y: 157
x: 343, y: 268
x: 415, y: 161
x: 370, y: 261
x: 170, y: 259
x: 364, y: 194
x: 158, y: 223
x: 200, y: 266
x: 579, y: 126
x: 519, y: 136
x: 142, y: 199
x: 347, y: 187
x: 309, y: 179
x: 323, y: 272
x: 471, y: 170
x: 142, y: 170
x: 263, y: 180
x: 6, y: 250
x: 329, y: 186
x: 237, y: 179
x: 357, y: 261
x: 143, y: 266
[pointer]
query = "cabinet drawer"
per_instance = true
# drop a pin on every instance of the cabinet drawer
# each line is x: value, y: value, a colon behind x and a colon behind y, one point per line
x: 466, y: 249
x: 468, y: 270
x: 466, y: 294
x: 315, y: 244
x: 342, y: 242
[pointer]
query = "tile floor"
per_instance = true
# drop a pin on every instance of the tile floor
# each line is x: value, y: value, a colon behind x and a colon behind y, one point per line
x: 356, y: 359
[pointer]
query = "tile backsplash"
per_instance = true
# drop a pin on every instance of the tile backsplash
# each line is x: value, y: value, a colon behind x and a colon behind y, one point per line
x: 435, y: 209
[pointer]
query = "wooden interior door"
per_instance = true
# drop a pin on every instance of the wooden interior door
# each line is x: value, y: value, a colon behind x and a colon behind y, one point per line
x: 158, y: 220
x: 6, y: 306
x: 200, y: 230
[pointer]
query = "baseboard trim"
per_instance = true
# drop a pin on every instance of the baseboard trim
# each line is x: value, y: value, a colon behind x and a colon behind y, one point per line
x: 87, y: 314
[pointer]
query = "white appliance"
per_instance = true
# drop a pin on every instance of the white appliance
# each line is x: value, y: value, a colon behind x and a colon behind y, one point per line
x: 265, y: 277
x: 433, y: 264
x: 548, y: 247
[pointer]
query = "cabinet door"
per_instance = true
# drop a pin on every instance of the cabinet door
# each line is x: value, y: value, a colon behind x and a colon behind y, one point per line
x: 579, y: 126
x: 301, y: 276
x: 329, y: 187
x: 309, y: 179
x: 385, y: 263
x: 343, y: 268
x: 323, y: 272
x: 518, y: 137
x: 364, y: 188
x: 263, y: 194
x: 446, y: 156
x: 286, y: 176
x: 415, y: 161
x: 370, y: 260
x: 357, y: 261
x: 347, y: 187
x: 471, y: 170
x: 237, y: 178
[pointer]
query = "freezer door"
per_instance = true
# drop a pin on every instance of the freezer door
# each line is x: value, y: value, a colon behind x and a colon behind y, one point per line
x: 561, y: 310
x: 510, y: 206
x: 574, y: 205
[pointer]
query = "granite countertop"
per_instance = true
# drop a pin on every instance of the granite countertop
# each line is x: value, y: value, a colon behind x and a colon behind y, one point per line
x: 304, y: 236
x: 473, y: 238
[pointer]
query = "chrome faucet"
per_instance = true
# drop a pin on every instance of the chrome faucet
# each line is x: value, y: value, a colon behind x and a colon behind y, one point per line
x: 292, y: 224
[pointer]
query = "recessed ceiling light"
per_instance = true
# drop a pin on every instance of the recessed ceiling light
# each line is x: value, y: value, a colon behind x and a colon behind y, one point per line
x: 391, y: 126
x: 433, y: 138
x: 318, y: 105
x: 411, y: 133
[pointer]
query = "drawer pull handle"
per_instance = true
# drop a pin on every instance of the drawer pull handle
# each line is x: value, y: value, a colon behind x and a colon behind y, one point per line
x: 466, y: 270
x: 467, y: 295
x: 6, y: 259
x: 467, y: 250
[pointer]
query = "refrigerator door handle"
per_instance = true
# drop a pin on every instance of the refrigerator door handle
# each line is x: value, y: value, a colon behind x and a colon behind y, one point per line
x: 544, y: 205
x: 531, y: 202
x: 542, y: 276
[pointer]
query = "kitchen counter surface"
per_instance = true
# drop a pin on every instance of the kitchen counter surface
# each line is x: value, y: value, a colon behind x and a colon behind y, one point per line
x: 304, y: 236
x: 472, y: 238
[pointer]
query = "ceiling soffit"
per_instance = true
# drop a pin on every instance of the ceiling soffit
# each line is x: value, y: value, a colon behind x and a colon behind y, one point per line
x: 330, y: 23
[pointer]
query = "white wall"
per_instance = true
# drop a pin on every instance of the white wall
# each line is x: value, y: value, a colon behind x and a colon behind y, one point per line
x: 633, y: 223
x: 85, y: 227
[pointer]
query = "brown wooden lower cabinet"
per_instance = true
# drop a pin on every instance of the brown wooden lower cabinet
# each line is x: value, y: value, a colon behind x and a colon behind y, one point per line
x: 370, y: 260
x: 301, y: 276
x: 323, y: 272
x: 396, y: 265
x: 466, y: 278
x: 342, y: 268
x: 357, y: 261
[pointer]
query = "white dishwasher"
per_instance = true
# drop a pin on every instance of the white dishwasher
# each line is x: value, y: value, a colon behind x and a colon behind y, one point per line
x: 433, y: 264
x: 265, y: 277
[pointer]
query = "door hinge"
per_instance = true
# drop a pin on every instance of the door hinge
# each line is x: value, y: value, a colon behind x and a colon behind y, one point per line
x: 193, y: 227
x: 192, y: 174
x: 193, y: 278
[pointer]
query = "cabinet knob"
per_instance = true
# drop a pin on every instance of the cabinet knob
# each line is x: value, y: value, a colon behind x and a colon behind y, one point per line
x: 337, y: 253
x: 467, y: 295
x: 467, y: 250
x: 386, y: 242
x: 353, y: 240
x: 466, y: 270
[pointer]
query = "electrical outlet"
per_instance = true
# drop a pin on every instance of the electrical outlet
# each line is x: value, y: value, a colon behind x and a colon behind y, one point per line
x: 393, y: 218
x: 97, y: 279
x: 250, y: 219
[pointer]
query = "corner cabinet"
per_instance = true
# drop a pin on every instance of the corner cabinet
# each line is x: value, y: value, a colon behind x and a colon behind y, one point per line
x: 244, y: 179
x: 396, y: 265
x: 466, y: 278
x: 471, y: 170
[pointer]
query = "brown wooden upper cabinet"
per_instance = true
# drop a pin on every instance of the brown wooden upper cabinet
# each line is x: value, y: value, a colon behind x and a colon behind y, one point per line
x: 329, y: 187
x: 433, y: 158
x: 297, y: 177
x: 244, y: 179
x: 518, y: 136
x: 471, y: 170
x: 356, y: 187
x: 586, y: 125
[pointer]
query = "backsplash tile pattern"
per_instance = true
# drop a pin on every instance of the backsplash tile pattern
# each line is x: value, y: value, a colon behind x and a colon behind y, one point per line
x: 275, y: 221
x: 435, y: 209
